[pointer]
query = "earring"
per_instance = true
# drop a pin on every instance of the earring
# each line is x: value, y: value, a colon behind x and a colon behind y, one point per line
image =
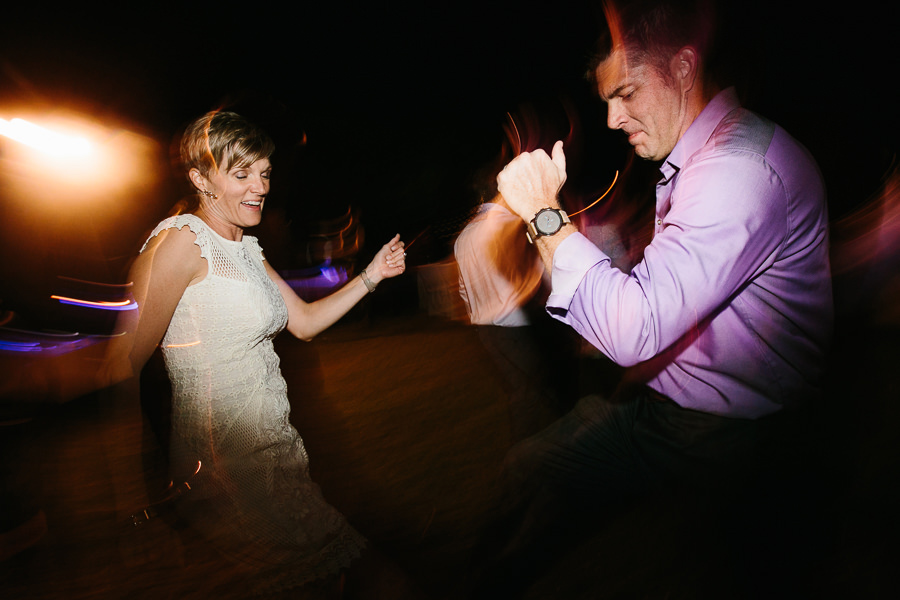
x: 209, y: 194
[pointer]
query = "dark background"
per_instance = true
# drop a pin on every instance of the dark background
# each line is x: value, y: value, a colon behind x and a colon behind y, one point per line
x: 388, y: 108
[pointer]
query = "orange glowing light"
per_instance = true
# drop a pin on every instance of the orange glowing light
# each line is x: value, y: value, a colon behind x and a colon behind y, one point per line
x: 65, y: 158
x: 44, y: 140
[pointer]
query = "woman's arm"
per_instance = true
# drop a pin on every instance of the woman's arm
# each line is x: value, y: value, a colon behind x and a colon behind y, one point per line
x: 306, y: 320
x: 160, y: 275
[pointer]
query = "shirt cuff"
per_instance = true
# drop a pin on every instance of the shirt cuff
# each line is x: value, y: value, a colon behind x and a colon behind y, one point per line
x: 574, y: 257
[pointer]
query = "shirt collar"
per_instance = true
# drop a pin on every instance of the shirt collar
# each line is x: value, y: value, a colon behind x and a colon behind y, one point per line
x: 700, y: 130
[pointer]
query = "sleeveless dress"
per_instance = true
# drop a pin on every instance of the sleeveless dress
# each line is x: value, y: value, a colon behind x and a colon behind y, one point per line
x: 252, y: 497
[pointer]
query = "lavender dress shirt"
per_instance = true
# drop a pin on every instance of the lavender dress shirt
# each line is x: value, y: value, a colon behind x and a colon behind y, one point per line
x: 730, y: 312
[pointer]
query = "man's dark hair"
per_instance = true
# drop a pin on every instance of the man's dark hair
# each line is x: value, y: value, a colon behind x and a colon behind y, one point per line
x: 652, y: 31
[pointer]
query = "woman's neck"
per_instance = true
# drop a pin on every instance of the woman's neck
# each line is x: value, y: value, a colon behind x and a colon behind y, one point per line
x: 227, y: 230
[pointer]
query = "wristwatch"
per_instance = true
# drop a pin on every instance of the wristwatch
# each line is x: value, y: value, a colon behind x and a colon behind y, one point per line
x: 547, y: 221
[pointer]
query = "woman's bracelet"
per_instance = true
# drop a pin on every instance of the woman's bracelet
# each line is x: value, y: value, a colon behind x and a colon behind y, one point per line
x: 368, y: 282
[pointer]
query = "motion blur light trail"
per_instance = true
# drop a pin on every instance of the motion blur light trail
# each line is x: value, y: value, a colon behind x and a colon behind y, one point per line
x: 867, y: 254
x: 118, y: 305
x: 19, y: 341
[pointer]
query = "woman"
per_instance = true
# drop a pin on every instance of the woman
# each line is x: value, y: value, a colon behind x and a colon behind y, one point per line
x: 208, y: 294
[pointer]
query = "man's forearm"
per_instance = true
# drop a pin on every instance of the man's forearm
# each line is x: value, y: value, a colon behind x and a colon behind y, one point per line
x: 547, y: 244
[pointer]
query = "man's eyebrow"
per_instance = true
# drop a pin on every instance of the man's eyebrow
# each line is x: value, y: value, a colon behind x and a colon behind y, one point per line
x: 615, y: 92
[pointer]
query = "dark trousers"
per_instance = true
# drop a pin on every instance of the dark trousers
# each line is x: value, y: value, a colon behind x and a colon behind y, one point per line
x: 635, y: 442
x: 568, y: 480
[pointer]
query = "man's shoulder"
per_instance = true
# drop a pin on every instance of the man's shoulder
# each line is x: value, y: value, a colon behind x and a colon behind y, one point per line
x: 742, y: 130
x: 750, y: 156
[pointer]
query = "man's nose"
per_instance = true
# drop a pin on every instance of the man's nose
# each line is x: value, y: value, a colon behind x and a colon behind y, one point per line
x: 615, y: 116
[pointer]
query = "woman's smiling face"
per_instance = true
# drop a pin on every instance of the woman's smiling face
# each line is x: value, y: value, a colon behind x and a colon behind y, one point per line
x: 241, y: 192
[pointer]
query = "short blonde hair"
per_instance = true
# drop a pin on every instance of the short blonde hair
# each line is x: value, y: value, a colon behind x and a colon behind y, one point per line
x: 223, y: 139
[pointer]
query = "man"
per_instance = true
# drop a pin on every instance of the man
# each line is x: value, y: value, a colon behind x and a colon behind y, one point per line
x: 727, y: 318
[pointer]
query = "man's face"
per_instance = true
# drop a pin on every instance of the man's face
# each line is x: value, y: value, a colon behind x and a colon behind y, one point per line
x: 648, y: 107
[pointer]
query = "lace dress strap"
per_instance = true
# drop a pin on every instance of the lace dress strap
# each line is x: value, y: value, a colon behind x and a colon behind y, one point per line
x: 194, y: 223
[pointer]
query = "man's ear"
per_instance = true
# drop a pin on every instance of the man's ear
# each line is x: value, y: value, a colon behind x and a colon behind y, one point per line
x: 685, y: 65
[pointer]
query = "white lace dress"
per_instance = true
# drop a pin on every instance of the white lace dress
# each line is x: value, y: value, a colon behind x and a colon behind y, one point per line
x: 253, y: 496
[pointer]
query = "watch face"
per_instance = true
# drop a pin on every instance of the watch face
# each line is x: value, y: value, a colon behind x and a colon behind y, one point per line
x: 548, y: 222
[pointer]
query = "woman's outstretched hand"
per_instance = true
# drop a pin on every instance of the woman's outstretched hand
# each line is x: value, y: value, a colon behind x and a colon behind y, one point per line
x: 389, y: 262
